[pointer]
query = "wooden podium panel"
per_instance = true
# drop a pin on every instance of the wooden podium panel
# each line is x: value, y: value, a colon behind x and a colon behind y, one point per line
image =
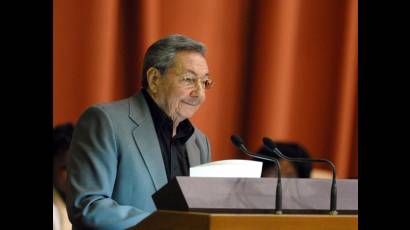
x: 196, y: 220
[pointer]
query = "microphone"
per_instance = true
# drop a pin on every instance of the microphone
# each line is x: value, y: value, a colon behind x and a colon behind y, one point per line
x: 239, y: 143
x: 333, y: 192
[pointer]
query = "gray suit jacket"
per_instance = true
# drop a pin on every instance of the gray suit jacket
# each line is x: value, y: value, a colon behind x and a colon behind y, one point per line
x: 115, y: 164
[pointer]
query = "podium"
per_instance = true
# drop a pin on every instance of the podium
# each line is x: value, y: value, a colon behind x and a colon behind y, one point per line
x: 249, y: 203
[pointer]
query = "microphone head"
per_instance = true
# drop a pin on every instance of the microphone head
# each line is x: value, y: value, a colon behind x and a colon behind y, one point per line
x: 237, y: 140
x: 269, y: 143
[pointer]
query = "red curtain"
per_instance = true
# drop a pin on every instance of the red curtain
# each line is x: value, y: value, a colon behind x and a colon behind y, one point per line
x: 286, y: 69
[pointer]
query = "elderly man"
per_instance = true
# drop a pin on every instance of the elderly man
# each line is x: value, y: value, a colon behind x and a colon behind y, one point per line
x: 123, y: 152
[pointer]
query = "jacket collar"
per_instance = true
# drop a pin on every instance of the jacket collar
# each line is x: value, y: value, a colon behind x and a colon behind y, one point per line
x: 146, y: 139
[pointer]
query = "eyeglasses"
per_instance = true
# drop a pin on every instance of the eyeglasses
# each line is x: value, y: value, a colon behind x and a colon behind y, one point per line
x: 190, y: 82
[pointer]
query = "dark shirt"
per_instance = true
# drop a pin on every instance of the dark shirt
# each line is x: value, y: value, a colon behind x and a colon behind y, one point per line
x: 172, y: 148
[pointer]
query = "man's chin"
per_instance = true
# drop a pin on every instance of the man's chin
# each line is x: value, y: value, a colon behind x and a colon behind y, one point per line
x: 186, y: 114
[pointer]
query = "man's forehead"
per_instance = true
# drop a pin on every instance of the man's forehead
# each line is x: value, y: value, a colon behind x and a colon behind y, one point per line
x: 192, y: 72
x: 191, y: 62
x: 188, y: 57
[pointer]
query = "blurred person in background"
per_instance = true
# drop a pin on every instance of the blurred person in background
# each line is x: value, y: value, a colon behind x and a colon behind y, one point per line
x: 288, y: 169
x: 61, y: 141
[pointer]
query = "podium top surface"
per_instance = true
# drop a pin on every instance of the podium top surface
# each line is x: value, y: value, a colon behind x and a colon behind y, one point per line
x: 198, y: 220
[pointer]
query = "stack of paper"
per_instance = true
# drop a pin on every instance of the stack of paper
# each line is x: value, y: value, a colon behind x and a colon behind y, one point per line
x: 228, y: 168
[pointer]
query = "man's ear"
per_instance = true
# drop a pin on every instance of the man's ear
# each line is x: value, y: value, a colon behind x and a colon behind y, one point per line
x: 153, y: 77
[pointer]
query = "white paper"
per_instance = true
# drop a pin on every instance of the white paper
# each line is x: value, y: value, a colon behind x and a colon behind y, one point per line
x: 228, y: 168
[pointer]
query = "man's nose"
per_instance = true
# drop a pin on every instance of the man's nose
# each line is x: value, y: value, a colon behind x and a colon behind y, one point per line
x: 198, y: 90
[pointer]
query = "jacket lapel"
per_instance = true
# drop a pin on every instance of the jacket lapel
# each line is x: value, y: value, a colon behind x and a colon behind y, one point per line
x: 147, y: 141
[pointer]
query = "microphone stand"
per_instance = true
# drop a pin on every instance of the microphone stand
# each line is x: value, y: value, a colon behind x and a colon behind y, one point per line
x: 238, y: 142
x: 333, y: 191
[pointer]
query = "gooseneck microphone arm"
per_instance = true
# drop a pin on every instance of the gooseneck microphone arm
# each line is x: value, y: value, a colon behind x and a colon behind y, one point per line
x: 239, y: 144
x: 333, y: 193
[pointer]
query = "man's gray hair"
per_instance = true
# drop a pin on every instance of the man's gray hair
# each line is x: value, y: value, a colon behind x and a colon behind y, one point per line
x: 162, y: 53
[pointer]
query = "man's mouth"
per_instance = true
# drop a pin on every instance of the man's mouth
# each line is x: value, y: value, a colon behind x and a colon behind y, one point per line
x: 191, y: 103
